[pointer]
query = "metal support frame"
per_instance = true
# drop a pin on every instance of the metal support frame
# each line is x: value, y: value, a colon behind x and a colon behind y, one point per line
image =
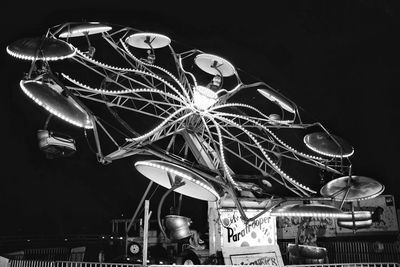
x: 139, y: 206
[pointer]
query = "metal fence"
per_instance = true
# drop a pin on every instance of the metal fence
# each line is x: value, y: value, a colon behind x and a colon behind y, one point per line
x: 36, y: 263
x: 33, y: 263
x: 376, y: 264
x: 90, y: 264
x: 353, y: 252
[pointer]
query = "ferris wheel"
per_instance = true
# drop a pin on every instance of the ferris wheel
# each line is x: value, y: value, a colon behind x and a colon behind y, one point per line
x: 205, y: 130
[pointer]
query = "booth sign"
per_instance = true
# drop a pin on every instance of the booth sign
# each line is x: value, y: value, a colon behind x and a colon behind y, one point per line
x: 235, y: 233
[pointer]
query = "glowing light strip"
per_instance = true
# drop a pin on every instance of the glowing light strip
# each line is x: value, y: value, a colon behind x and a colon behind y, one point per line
x: 358, y: 215
x: 157, y: 67
x: 89, y: 30
x: 103, y: 65
x: 158, y: 127
x: 307, y: 214
x: 273, y: 135
x: 32, y: 58
x: 374, y: 195
x: 221, y: 148
x: 364, y: 198
x: 276, y: 100
x: 328, y: 154
x: 125, y: 91
x: 252, y: 108
x: 89, y: 124
x: 180, y: 174
x: 216, y: 159
x: 354, y: 224
x: 309, y: 210
x: 355, y: 221
x: 274, y: 165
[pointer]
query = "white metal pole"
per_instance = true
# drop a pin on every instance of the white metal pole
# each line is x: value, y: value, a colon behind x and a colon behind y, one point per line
x: 145, y: 231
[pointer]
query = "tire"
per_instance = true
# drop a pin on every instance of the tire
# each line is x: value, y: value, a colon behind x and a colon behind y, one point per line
x: 134, y: 248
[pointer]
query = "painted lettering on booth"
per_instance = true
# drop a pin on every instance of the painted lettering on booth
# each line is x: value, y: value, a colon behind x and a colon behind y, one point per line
x: 258, y: 223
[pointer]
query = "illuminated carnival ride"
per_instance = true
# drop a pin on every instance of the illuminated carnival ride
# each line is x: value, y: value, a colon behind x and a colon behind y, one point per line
x: 206, y: 133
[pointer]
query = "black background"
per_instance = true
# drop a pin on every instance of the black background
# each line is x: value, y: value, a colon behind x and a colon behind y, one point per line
x: 338, y: 60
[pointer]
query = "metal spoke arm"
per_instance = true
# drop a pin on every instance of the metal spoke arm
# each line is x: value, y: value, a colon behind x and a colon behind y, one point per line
x: 270, y: 161
x: 149, y: 79
x: 275, y: 141
x: 131, y: 148
x: 253, y: 158
x: 138, y: 105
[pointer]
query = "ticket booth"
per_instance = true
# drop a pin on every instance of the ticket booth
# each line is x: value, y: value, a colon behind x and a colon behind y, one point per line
x: 240, y: 243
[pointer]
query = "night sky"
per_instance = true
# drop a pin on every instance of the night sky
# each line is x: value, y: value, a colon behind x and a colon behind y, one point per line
x: 338, y: 60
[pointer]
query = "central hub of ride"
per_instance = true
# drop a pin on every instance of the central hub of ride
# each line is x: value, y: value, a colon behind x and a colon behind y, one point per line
x: 204, y: 97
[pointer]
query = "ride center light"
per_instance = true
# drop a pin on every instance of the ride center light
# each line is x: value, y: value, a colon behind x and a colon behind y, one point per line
x: 204, y: 97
